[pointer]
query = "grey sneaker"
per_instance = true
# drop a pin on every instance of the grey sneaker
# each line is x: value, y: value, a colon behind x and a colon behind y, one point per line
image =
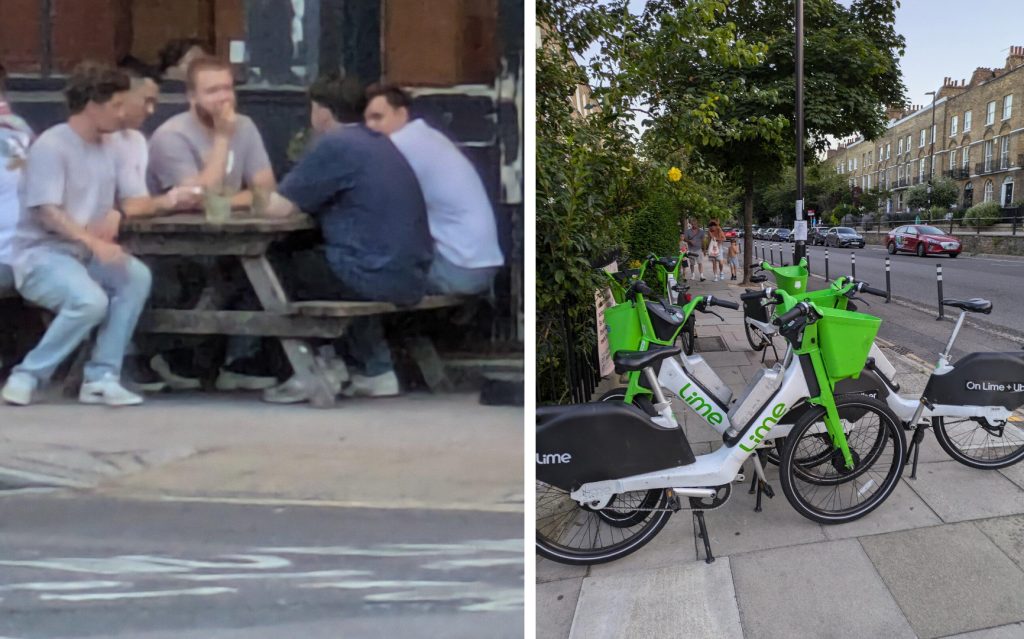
x: 385, y: 385
x: 19, y: 388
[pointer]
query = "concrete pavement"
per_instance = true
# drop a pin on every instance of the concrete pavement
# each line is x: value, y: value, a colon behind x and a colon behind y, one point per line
x: 942, y: 557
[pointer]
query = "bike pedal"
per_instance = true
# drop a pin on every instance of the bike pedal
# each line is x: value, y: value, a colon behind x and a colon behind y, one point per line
x: 673, y: 501
x: 766, y: 488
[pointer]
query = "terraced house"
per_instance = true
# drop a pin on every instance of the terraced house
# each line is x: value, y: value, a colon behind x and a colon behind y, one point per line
x: 971, y: 133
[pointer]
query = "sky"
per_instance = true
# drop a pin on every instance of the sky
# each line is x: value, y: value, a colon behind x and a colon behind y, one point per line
x: 948, y: 38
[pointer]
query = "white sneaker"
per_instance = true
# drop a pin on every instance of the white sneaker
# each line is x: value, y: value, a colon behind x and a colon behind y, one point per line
x: 384, y: 385
x: 19, y: 388
x: 107, y: 391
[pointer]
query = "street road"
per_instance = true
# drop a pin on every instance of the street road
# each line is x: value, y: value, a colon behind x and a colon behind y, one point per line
x: 85, y: 566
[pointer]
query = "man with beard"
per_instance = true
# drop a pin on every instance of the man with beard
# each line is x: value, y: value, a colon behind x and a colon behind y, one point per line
x: 72, y: 182
x: 212, y: 147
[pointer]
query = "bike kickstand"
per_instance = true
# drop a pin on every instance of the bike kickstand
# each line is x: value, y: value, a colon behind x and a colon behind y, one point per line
x: 915, y: 445
x: 753, y: 482
x: 703, y: 534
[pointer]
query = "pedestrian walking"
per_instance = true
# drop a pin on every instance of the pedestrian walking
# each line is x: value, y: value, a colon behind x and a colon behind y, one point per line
x: 734, y: 258
x: 694, y: 237
x: 716, y: 250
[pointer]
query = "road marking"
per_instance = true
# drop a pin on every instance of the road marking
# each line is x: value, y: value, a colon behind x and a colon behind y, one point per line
x: 63, y: 585
x: 458, y: 564
x: 366, y: 584
x: 314, y: 574
x: 403, y: 550
x: 494, y: 600
x: 154, y: 594
x: 144, y: 564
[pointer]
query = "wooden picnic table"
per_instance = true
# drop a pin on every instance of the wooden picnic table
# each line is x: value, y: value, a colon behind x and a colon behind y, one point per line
x: 190, y: 235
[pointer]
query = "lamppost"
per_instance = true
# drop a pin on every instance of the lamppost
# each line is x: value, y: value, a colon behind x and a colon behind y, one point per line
x: 931, y: 153
x: 800, y: 244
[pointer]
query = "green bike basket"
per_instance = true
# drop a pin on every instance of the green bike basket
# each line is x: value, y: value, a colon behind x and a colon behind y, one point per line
x: 623, y: 325
x: 792, y: 279
x: 845, y: 338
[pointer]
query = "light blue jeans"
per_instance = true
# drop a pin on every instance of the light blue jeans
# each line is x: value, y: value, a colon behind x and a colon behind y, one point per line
x: 446, y: 278
x: 84, y: 296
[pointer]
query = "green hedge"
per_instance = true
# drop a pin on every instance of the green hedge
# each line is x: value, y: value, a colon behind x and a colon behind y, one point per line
x: 654, y: 228
x: 985, y: 214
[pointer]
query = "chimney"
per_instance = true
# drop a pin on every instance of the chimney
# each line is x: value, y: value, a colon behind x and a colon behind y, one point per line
x: 950, y: 89
x: 1015, y: 58
x: 980, y: 75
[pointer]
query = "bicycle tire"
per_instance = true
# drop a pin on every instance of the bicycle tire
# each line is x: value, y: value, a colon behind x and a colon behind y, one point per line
x: 858, y: 481
x: 760, y: 343
x: 688, y: 336
x: 551, y: 529
x: 952, y: 445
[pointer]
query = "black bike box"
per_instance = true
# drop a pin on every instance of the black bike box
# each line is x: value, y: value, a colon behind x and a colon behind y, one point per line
x: 980, y: 379
x: 604, y: 440
x: 664, y: 321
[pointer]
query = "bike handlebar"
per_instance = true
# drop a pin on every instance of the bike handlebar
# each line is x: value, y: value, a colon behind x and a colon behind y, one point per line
x: 873, y: 291
x: 756, y: 295
x: 800, y: 309
x: 714, y: 301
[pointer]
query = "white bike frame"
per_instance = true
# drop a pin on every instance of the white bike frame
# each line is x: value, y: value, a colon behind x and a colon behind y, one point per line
x: 714, y: 469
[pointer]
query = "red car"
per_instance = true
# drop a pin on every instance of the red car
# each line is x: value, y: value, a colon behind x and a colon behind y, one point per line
x: 923, y: 240
x: 731, y: 233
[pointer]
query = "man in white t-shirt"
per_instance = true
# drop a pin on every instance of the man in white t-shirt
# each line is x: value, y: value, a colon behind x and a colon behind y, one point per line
x: 15, y: 137
x: 467, y: 254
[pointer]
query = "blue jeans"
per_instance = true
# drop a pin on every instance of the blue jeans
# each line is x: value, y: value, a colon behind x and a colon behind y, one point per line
x: 84, y: 296
x: 6, y: 279
x: 446, y: 278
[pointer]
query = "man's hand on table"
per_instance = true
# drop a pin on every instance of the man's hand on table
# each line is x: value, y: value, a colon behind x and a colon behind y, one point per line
x: 181, y: 198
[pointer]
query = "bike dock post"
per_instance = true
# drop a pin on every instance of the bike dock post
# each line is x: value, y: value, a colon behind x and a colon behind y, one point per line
x: 938, y: 280
x: 772, y: 250
x: 826, y: 263
x: 853, y: 265
x: 888, y: 284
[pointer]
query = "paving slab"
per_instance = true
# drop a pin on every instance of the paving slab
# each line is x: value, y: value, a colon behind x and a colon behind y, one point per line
x: 959, y: 493
x: 724, y: 359
x: 903, y: 510
x: 674, y: 545
x: 948, y: 579
x: 1011, y: 631
x: 548, y: 570
x: 807, y: 593
x: 735, y: 528
x: 556, y: 606
x: 1015, y: 473
x: 1008, y: 534
x: 676, y: 602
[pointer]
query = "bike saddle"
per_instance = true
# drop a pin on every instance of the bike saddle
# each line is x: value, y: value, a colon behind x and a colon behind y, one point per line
x: 668, y: 262
x: 680, y: 288
x: 974, y: 305
x: 628, y: 361
x: 758, y: 278
x: 621, y: 277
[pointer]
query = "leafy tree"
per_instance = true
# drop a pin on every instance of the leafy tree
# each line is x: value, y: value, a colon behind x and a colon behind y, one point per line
x: 748, y: 129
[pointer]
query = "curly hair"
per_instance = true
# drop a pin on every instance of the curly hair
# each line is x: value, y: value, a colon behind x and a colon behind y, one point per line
x: 93, y: 82
x: 343, y: 96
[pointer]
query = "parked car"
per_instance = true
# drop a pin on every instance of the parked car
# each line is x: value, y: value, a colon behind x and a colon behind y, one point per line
x: 816, y: 235
x: 923, y: 240
x: 766, y: 234
x: 740, y: 234
x: 843, y: 237
x: 781, y: 235
x: 730, y: 233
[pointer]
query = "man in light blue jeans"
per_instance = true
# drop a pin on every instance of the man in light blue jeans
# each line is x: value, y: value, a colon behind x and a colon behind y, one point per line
x: 65, y: 258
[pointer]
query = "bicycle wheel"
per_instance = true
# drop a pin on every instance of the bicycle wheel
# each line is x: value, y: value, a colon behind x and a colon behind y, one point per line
x: 755, y: 337
x: 828, y: 492
x: 979, y: 444
x: 572, y: 534
x: 688, y: 336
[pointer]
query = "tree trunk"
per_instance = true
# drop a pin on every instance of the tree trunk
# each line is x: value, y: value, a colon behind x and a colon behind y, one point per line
x: 748, y: 223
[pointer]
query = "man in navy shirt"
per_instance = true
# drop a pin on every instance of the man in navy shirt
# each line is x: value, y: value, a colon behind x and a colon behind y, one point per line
x: 374, y: 222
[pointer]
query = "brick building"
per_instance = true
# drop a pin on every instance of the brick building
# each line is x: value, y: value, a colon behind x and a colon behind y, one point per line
x: 976, y: 140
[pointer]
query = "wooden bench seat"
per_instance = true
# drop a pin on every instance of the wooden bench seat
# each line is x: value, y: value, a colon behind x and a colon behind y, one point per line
x: 355, y: 309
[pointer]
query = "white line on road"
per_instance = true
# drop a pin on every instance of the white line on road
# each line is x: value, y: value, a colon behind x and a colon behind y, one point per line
x: 143, y: 564
x: 458, y: 564
x: 154, y: 594
x: 365, y: 584
x: 326, y: 503
x: 315, y: 574
x: 63, y: 585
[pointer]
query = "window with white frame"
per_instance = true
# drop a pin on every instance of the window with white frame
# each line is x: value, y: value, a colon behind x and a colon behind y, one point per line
x: 967, y: 121
x: 899, y: 173
x: 888, y: 151
x: 1004, y: 152
x: 855, y: 166
x: 988, y: 156
x: 952, y: 160
x: 909, y: 138
x: 988, y: 191
x: 899, y: 148
x: 953, y: 125
x: 920, y: 171
x: 990, y: 114
x: 869, y: 181
x: 965, y: 159
x: 921, y: 142
x: 1007, y: 106
x: 933, y: 134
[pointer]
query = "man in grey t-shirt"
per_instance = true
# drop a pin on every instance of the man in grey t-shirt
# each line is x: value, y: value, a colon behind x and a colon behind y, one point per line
x: 213, y: 147
x: 61, y: 262
x: 694, y: 238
